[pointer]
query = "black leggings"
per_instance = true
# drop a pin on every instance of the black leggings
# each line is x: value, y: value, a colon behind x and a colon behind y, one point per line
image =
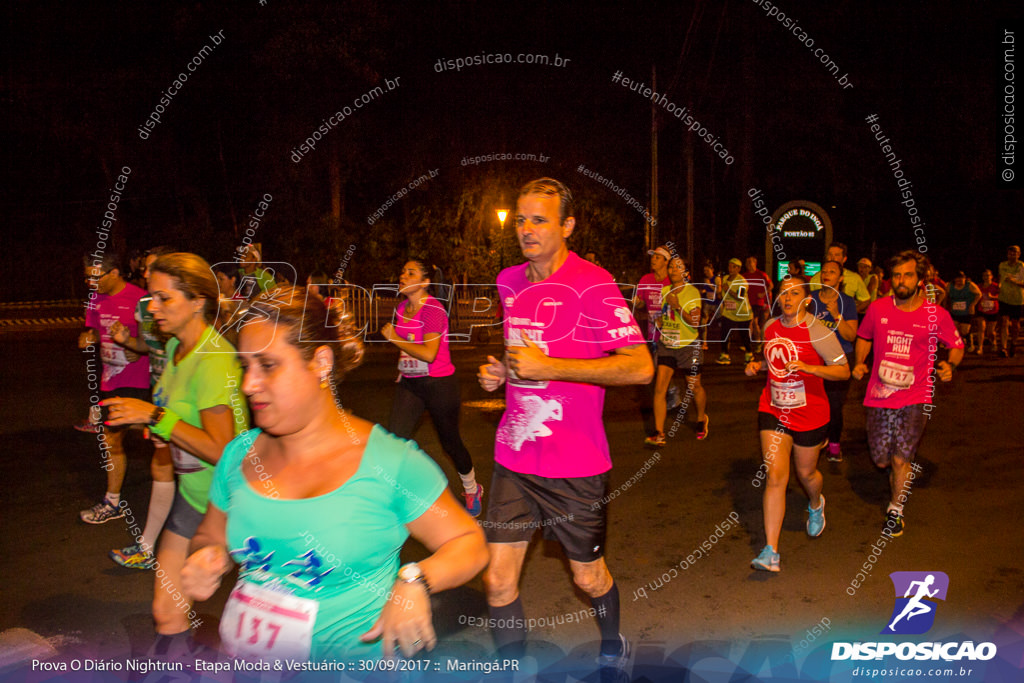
x: 742, y: 327
x: 440, y: 397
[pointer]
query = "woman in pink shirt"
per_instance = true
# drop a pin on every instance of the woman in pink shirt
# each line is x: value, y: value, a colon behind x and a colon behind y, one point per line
x: 427, y: 380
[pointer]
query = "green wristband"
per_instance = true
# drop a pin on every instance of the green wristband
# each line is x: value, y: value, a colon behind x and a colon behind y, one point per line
x: 166, y: 424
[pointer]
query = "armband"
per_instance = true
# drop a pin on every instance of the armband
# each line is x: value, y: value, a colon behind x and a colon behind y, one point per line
x: 166, y: 424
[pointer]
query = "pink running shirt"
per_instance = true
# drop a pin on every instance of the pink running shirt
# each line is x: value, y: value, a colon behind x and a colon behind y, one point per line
x: 554, y: 429
x: 903, y: 340
x: 431, y: 318
x: 103, y: 311
x: 648, y: 290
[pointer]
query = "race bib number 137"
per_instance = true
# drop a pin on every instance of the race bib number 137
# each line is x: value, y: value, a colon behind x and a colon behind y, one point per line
x: 265, y: 624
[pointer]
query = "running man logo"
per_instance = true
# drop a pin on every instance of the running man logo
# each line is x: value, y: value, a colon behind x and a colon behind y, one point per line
x: 778, y: 353
x: 916, y: 595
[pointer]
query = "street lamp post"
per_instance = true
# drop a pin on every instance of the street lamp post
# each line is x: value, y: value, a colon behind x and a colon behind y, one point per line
x: 502, y: 215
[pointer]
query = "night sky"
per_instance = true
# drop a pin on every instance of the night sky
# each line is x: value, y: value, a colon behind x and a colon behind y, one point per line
x: 82, y: 78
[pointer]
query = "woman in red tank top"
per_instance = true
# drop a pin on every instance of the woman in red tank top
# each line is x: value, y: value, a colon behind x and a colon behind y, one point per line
x: 793, y: 413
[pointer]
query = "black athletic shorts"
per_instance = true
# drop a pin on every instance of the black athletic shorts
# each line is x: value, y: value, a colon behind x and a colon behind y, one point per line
x: 684, y: 358
x: 569, y: 510
x: 1011, y: 311
x: 183, y: 518
x: 766, y: 422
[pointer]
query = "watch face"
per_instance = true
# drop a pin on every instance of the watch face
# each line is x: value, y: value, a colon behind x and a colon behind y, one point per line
x: 410, y: 572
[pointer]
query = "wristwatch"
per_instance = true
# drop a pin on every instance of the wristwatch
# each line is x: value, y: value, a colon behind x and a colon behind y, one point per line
x: 157, y: 415
x: 411, y: 573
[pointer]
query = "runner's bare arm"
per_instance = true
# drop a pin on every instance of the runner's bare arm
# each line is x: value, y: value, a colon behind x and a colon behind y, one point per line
x: 87, y: 338
x: 119, y: 333
x: 459, y: 553
x: 425, y: 350
x: 976, y: 291
x: 205, y: 443
x: 861, y: 351
x: 492, y: 375
x: 626, y: 365
x: 847, y: 329
x: 209, y: 559
x: 833, y: 373
x: 456, y: 541
x: 946, y: 367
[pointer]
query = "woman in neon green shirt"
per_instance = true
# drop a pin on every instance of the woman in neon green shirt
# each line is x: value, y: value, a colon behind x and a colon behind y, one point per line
x: 315, y: 505
x: 198, y: 410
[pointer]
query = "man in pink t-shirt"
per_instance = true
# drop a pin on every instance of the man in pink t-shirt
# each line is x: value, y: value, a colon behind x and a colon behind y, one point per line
x: 904, y: 331
x: 568, y: 334
x: 124, y: 373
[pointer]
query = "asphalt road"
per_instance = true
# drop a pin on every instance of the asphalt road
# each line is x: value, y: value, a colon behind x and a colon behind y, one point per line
x: 711, y: 614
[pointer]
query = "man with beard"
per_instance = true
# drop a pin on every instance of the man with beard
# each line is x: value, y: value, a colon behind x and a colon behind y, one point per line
x: 906, y: 329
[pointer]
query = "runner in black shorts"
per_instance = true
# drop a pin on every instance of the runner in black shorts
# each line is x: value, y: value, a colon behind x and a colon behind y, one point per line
x: 793, y: 413
x: 525, y: 503
x: 678, y: 350
x: 551, y: 453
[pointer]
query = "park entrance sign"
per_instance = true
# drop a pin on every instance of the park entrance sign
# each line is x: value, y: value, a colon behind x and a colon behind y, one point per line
x: 800, y: 229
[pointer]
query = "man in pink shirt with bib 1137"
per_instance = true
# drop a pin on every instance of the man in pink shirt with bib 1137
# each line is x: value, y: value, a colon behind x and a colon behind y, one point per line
x: 904, y: 331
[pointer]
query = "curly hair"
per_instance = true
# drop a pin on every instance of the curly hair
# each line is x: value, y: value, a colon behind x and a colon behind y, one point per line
x: 921, y: 262
x: 310, y: 324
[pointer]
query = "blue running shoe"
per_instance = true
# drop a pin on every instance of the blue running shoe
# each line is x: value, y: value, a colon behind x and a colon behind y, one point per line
x: 816, y: 519
x: 474, y: 503
x: 767, y: 561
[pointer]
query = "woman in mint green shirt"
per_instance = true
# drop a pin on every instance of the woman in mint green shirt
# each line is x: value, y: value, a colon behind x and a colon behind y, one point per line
x: 315, y: 505
x: 198, y: 410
